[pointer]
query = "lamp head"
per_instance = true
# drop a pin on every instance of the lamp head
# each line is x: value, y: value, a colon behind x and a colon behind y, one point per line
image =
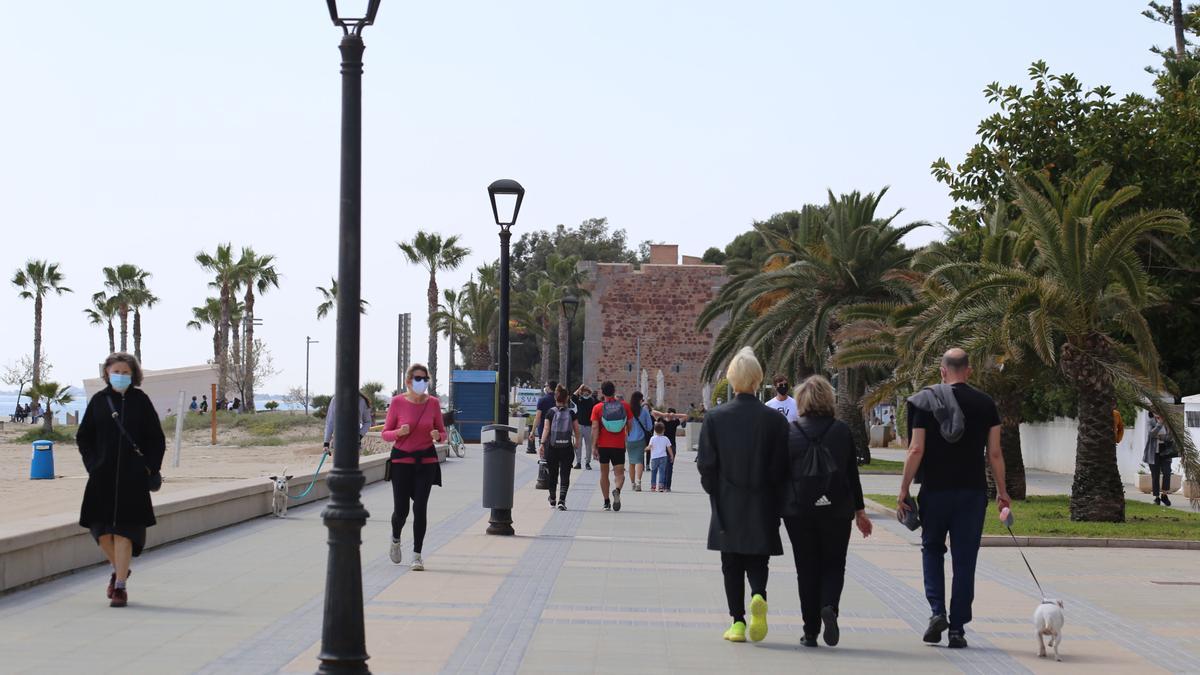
x: 570, y: 306
x: 506, y: 196
x: 354, y: 15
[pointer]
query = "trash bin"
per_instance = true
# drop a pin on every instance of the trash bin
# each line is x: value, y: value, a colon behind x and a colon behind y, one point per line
x: 42, y: 466
x: 499, y: 466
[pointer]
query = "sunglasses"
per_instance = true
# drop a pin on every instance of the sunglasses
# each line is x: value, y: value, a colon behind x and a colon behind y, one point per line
x: 418, y: 378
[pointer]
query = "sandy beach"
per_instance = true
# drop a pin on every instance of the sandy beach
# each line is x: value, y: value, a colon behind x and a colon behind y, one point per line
x: 298, y: 449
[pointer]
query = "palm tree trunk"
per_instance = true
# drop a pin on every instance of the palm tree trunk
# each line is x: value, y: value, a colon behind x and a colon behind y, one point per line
x: 433, y: 332
x: 451, y: 336
x: 248, y: 401
x: 850, y: 412
x: 564, y: 334
x: 48, y: 420
x: 1177, y: 20
x: 137, y: 334
x: 481, y: 358
x: 1008, y: 403
x: 544, y: 356
x: 217, y: 345
x: 124, y: 314
x: 37, y: 341
x: 239, y: 372
x: 1097, y: 494
x: 223, y: 347
x: 112, y: 339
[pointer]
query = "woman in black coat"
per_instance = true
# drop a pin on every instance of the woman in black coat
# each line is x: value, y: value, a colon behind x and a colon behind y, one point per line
x: 820, y: 497
x: 116, y: 502
x: 742, y: 445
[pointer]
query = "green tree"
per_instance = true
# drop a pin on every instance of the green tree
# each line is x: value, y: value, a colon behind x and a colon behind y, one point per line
x: 478, y: 323
x: 329, y: 300
x: 52, y: 395
x: 1086, y: 291
x: 209, y: 314
x: 448, y: 319
x: 36, y: 280
x: 257, y: 273
x: 126, y: 284
x: 101, y: 313
x: 567, y: 280
x: 590, y: 240
x: 434, y: 253
x: 222, y: 265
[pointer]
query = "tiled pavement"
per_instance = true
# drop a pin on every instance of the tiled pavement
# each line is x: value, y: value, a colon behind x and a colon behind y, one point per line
x: 583, y: 591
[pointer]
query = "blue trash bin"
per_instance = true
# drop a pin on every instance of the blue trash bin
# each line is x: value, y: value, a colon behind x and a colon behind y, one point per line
x: 42, y: 466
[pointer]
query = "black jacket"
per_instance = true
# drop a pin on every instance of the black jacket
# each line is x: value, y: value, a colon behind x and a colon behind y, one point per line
x: 117, y: 492
x: 835, y: 436
x: 743, y: 450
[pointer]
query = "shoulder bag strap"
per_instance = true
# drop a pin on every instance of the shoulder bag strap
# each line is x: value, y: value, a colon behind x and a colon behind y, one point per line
x: 117, y: 418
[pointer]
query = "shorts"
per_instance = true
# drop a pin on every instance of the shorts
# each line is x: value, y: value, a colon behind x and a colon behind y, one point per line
x: 636, y: 451
x: 614, y: 456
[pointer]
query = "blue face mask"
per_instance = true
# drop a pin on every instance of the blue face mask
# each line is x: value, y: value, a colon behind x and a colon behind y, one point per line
x: 419, y: 387
x: 120, y: 382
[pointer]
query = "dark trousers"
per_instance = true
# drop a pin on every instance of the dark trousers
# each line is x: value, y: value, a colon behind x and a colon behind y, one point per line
x: 819, y: 547
x: 671, y: 466
x: 1160, y: 468
x: 559, y: 462
x: 958, y: 513
x: 411, y: 482
x: 738, y: 568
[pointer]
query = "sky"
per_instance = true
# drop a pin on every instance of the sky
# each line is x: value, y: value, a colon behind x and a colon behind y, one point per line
x: 147, y: 131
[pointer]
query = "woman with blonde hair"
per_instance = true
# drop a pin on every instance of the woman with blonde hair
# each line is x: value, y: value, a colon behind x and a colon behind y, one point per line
x: 414, y: 426
x: 743, y: 446
x: 822, y: 496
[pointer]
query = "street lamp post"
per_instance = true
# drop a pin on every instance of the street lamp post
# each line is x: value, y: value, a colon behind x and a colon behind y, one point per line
x: 308, y: 343
x: 570, y: 305
x: 506, y: 196
x: 343, y: 636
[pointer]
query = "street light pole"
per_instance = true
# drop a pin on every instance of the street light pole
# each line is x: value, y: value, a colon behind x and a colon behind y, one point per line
x: 343, y: 635
x: 308, y: 343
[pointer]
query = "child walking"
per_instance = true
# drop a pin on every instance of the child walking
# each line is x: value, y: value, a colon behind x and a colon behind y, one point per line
x: 661, y: 457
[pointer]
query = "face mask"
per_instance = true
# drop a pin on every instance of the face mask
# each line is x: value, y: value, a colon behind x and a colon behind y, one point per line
x: 419, y: 387
x: 120, y: 382
x: 782, y: 389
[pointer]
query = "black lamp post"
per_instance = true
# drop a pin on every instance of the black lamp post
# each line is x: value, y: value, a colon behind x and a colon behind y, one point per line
x: 506, y: 196
x: 343, y: 637
x: 570, y: 305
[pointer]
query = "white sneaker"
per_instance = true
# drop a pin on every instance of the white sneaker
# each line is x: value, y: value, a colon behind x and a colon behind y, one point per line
x: 417, y: 565
x: 395, y: 552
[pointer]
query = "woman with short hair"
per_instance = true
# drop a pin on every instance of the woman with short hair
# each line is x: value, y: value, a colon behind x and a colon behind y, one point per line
x: 822, y: 496
x: 743, y: 446
x: 414, y: 426
x: 121, y: 442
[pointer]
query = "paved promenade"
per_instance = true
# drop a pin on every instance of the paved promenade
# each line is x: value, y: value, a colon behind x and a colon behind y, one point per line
x: 583, y: 591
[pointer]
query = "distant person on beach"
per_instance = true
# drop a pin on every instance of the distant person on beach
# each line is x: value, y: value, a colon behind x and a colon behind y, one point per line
x: 414, y: 426
x: 236, y: 407
x: 35, y: 413
x: 203, y: 404
x: 121, y: 442
x: 195, y: 406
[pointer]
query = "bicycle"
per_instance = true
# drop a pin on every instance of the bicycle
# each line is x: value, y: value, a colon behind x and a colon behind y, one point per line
x: 453, y: 438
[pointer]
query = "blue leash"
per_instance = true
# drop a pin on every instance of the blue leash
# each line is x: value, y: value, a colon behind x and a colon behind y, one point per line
x: 307, y: 490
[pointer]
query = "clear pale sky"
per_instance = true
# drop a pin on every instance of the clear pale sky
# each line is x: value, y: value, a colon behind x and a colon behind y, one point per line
x: 144, y: 132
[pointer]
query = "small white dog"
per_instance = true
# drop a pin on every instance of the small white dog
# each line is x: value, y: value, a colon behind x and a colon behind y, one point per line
x: 279, y: 495
x: 1048, y: 619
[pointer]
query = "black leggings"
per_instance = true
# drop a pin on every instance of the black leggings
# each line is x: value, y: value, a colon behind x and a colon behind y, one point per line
x: 559, y: 463
x: 411, y: 481
x: 738, y: 568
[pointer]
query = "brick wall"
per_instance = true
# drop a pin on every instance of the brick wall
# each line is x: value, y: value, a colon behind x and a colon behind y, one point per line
x: 659, y: 304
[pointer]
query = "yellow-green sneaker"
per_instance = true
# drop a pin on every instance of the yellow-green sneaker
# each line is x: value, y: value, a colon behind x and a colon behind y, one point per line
x: 758, y: 618
x: 736, y: 632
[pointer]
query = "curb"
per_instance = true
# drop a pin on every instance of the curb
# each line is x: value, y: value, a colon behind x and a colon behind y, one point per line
x: 998, y: 541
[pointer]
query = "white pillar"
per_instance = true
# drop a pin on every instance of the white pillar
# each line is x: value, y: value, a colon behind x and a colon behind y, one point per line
x: 660, y: 393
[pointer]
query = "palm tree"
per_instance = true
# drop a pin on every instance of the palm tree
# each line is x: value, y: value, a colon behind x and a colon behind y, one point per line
x: 480, y: 316
x: 102, y: 312
x: 448, y: 319
x: 127, y: 284
x: 209, y: 314
x: 224, y: 270
x: 543, y: 302
x: 563, y: 273
x: 52, y: 394
x: 139, y: 297
x: 433, y: 253
x: 329, y: 300
x: 256, y: 272
x: 36, y: 279
x: 1086, y: 289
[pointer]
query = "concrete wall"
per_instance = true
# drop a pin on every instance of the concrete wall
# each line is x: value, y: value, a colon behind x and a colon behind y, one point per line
x: 163, y: 386
x: 1050, y: 446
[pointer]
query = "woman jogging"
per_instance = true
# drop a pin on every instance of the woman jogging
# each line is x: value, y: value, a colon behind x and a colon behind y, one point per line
x: 414, y: 426
x: 640, y: 429
x: 121, y: 442
x: 822, y: 496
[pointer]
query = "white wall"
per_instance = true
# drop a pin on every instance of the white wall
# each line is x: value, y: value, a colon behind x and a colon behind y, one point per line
x: 163, y: 386
x: 1050, y: 446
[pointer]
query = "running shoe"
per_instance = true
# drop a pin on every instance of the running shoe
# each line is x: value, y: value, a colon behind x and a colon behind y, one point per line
x: 758, y: 618
x: 607, y: 505
x: 120, y: 598
x: 736, y: 632
x: 395, y: 552
x: 562, y: 506
x: 417, y: 565
x: 616, y: 502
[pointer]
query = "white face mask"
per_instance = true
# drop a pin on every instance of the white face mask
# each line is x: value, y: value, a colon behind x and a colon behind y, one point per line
x: 420, y: 387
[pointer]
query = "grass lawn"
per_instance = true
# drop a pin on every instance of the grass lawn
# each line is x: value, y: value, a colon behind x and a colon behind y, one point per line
x: 1049, y: 516
x: 884, y: 466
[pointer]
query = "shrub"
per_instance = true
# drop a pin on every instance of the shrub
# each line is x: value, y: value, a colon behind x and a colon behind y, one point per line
x: 272, y: 405
x: 59, y: 434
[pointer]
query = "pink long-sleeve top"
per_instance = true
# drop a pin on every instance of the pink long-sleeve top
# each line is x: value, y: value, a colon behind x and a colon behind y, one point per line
x: 422, y: 419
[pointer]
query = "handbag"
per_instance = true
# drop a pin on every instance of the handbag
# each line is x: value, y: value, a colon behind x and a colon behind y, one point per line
x: 387, y: 467
x: 154, y: 478
x: 543, y: 479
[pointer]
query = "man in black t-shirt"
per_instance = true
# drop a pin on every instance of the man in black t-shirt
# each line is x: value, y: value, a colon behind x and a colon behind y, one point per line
x: 544, y: 405
x: 671, y: 422
x: 953, y: 499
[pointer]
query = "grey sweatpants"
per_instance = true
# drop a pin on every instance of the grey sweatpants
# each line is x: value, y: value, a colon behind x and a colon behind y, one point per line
x: 583, y: 451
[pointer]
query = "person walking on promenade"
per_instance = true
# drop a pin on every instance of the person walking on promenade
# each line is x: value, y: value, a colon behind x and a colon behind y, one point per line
x: 121, y: 443
x: 639, y: 435
x: 1158, y: 455
x: 671, y: 421
x: 950, y: 424
x: 743, y: 447
x: 661, y: 457
x: 584, y: 399
x: 560, y: 444
x: 365, y: 418
x: 782, y: 401
x: 610, y: 423
x: 544, y: 404
x: 822, y: 496
x: 414, y: 426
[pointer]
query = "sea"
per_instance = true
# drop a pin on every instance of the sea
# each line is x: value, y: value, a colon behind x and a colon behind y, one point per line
x: 8, y: 403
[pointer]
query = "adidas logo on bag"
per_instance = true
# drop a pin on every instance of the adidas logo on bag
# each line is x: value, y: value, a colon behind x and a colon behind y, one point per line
x: 823, y: 501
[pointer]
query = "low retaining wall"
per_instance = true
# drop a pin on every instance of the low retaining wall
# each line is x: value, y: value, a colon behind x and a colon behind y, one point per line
x: 40, y: 548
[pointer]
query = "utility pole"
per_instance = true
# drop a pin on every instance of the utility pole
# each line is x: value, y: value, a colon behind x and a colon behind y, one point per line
x: 308, y: 342
x: 403, y: 348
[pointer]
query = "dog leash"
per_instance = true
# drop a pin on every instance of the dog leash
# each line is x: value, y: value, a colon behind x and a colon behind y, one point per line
x: 308, y: 489
x: 1027, y: 566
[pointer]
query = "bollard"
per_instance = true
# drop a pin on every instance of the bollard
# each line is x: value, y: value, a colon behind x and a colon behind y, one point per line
x: 42, y: 465
x: 499, y: 470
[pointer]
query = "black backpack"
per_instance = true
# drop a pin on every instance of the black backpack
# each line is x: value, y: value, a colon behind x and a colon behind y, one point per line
x: 817, y: 481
